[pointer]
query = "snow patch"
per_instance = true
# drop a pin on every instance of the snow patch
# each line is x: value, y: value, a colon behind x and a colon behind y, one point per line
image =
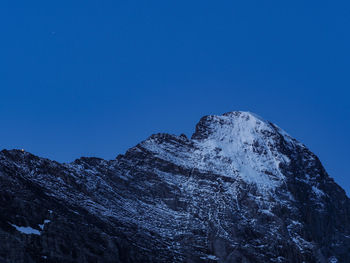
x: 211, y: 257
x: 319, y: 193
x: 27, y: 230
x: 45, y: 222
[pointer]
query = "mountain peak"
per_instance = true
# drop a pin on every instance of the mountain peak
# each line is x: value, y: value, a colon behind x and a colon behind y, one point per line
x: 241, y: 190
x: 243, y: 114
x: 233, y: 123
x: 238, y: 145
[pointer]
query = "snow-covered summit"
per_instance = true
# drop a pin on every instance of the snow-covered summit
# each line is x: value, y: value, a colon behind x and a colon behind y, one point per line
x: 237, y: 144
x: 242, y: 125
x: 230, y: 122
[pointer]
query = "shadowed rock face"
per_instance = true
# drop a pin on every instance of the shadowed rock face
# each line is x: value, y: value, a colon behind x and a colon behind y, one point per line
x: 240, y: 190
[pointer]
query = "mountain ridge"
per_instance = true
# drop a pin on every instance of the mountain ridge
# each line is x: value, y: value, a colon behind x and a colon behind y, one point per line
x: 239, y: 190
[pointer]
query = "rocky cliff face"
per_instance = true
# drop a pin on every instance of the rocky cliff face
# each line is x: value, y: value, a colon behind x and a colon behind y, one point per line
x: 240, y: 190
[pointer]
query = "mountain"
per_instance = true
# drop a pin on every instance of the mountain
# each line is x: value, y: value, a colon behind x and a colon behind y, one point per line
x: 240, y: 190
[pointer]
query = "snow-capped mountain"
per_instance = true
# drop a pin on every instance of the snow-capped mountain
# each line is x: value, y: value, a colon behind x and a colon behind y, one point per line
x: 240, y: 190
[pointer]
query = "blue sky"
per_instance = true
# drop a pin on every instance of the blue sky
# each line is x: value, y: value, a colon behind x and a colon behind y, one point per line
x: 93, y: 78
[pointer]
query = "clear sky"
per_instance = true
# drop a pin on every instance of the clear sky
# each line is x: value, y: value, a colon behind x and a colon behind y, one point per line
x: 93, y: 78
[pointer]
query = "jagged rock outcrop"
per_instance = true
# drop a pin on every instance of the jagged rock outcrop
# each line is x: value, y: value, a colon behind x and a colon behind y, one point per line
x: 240, y: 190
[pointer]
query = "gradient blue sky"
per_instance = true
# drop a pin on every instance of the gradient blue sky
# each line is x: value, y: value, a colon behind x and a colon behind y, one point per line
x: 93, y: 78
